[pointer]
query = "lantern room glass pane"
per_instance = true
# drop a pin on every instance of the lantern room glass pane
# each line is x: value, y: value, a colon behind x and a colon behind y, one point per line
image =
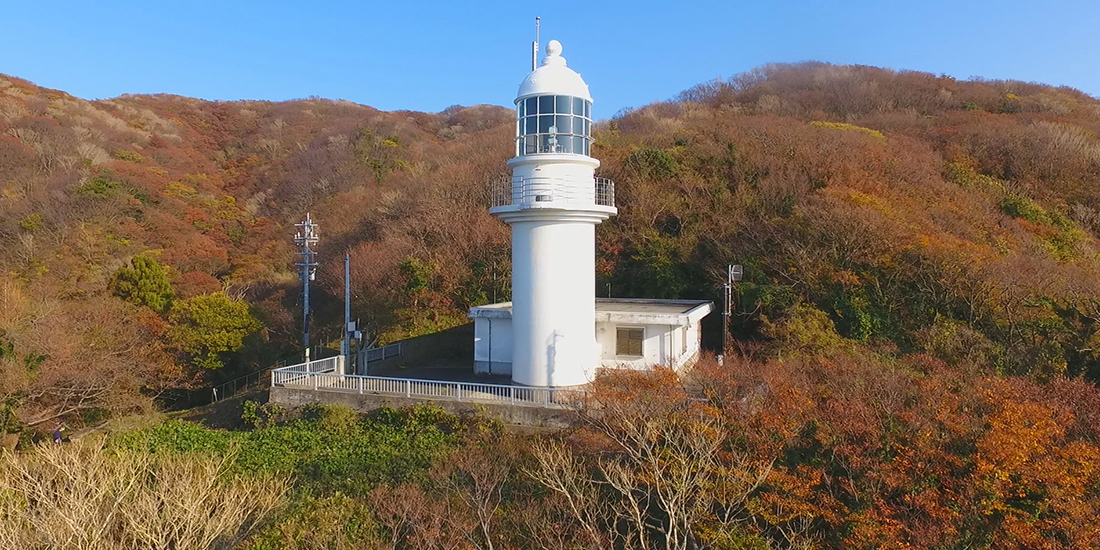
x: 578, y: 106
x: 531, y: 106
x: 546, y: 104
x: 578, y: 145
x: 578, y: 125
x: 564, y: 124
x: 531, y: 144
x: 564, y: 105
x: 532, y: 125
x: 588, y: 109
x: 565, y: 144
x: 545, y: 122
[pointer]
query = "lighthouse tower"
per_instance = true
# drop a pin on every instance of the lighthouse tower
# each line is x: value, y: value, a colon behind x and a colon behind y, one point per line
x: 553, y: 202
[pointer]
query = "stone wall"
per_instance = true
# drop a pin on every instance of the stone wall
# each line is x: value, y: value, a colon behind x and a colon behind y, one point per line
x: 519, y: 415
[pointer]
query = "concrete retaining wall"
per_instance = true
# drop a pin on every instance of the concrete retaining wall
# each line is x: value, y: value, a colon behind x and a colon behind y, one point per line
x: 520, y: 415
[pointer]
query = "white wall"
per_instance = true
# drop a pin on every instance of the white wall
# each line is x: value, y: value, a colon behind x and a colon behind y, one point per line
x: 662, y: 345
x: 553, y: 302
x: 492, y: 346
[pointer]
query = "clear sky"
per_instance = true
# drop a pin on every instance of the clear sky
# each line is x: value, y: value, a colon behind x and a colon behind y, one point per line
x: 427, y: 56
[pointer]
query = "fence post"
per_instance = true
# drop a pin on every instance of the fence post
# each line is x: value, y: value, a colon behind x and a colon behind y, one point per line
x: 314, y: 376
x: 512, y: 394
x: 360, y: 385
x: 408, y: 388
x: 458, y: 391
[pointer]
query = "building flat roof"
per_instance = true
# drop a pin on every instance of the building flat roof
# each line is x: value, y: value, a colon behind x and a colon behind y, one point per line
x: 647, y: 311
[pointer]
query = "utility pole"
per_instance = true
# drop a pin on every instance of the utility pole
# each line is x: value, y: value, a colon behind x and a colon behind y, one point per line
x: 734, y: 274
x: 348, y: 327
x: 306, y: 236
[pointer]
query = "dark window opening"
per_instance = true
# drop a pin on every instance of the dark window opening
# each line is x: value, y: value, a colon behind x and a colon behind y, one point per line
x: 628, y: 341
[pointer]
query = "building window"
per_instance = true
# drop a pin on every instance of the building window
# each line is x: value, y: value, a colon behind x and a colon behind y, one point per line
x: 628, y: 341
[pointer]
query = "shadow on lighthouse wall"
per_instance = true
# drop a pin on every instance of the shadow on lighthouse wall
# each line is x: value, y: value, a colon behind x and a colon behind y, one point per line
x: 552, y: 354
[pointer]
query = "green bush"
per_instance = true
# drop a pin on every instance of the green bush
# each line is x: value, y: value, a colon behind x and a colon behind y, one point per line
x: 205, y: 327
x: 328, y: 448
x: 99, y: 187
x: 128, y: 156
x: 175, y: 436
x: 847, y: 127
x: 1019, y: 206
x: 653, y: 162
x: 32, y: 223
x: 144, y: 283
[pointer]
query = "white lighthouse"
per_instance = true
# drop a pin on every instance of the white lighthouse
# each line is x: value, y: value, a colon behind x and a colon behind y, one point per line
x: 555, y: 332
x: 554, y: 205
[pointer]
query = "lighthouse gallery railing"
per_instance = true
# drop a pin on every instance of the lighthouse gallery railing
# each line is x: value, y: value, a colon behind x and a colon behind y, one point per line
x: 507, y: 191
x: 321, y: 376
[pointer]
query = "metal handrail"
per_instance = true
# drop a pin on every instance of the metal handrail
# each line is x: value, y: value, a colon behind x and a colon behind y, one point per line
x: 384, y: 352
x: 517, y: 190
x: 230, y: 388
x: 435, y: 389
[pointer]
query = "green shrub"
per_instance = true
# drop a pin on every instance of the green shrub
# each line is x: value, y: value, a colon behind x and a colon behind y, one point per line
x: 175, y: 436
x: 847, y: 127
x: 32, y: 223
x: 128, y: 156
x: 1019, y: 206
x: 328, y: 448
x: 653, y: 162
x: 99, y: 187
x: 805, y: 329
x: 417, y: 274
x: 144, y: 283
x: 260, y: 416
x: 967, y: 177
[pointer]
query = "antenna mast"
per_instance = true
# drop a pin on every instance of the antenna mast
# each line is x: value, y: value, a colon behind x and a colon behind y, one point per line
x: 535, y: 46
x: 306, y: 237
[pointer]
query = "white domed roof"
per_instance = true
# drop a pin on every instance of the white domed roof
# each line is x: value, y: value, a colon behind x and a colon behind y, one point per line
x: 553, y: 77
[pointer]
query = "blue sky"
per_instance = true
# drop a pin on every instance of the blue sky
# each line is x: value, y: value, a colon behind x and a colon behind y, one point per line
x: 427, y: 56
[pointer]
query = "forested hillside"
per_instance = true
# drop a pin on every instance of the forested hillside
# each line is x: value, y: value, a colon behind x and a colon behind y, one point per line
x: 911, y: 210
x: 916, y: 336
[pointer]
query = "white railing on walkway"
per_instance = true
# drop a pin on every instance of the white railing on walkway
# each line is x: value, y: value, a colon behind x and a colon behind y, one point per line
x: 310, y: 376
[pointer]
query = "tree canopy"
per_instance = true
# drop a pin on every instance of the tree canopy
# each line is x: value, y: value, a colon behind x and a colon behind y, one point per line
x: 208, y: 326
x: 144, y: 283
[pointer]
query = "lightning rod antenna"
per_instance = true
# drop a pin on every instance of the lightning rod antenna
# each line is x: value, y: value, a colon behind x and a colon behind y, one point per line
x: 535, y: 46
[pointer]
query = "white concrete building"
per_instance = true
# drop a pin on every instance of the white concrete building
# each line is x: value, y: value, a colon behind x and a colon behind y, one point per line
x: 555, y: 332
